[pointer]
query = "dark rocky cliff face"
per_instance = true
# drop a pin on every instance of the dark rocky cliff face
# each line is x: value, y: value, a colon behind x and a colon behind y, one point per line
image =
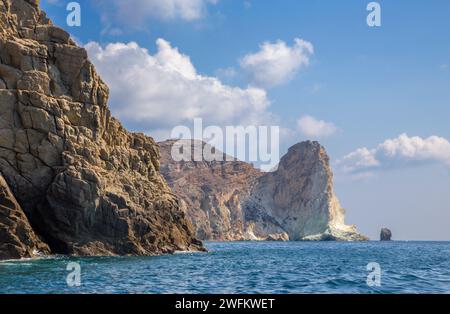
x: 17, y: 237
x: 87, y: 186
x: 231, y: 200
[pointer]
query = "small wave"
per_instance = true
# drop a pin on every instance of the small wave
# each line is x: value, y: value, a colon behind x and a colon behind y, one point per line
x: 186, y: 252
x: 25, y: 261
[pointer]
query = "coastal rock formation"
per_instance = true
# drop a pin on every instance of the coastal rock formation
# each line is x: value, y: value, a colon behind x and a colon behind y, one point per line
x: 231, y: 200
x: 17, y: 237
x: 299, y: 195
x: 86, y: 185
x: 385, y: 234
x: 213, y: 195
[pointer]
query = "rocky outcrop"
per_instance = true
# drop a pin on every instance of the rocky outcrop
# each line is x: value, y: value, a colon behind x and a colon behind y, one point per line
x: 86, y: 185
x: 299, y: 195
x: 18, y: 239
x: 214, y: 193
x: 385, y: 234
x: 231, y: 200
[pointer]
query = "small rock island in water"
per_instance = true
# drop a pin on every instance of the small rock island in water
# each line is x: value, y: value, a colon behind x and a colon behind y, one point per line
x: 385, y: 234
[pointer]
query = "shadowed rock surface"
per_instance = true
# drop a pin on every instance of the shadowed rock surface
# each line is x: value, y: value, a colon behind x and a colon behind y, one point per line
x: 87, y: 186
x: 385, y: 234
x: 231, y: 200
x: 17, y: 237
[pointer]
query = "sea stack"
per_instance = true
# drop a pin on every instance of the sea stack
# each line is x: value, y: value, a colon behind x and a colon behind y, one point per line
x: 74, y: 179
x: 385, y: 234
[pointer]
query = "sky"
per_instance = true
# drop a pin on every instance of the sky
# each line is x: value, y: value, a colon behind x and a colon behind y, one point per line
x: 377, y: 98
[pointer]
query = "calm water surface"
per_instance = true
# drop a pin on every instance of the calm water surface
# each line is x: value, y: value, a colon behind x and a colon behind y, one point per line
x: 246, y: 267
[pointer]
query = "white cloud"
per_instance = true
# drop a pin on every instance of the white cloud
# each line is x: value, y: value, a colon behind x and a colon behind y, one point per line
x: 226, y: 74
x: 135, y: 12
x: 157, y: 92
x: 361, y: 160
x: 397, y: 152
x: 276, y: 63
x: 314, y: 128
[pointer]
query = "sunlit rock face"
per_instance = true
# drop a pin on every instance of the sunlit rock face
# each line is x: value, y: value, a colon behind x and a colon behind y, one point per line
x: 299, y: 195
x: 231, y: 200
x: 213, y: 194
x: 86, y: 185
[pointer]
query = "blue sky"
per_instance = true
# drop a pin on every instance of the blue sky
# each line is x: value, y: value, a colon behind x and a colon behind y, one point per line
x: 366, y: 85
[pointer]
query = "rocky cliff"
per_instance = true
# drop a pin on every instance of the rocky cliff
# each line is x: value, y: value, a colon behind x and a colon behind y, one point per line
x: 85, y: 184
x: 230, y: 200
x: 213, y: 195
x: 300, y: 196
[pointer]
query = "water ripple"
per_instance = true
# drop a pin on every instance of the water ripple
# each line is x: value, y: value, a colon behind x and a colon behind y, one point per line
x: 246, y: 267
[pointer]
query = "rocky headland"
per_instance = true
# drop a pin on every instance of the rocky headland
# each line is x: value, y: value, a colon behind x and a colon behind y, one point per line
x: 74, y: 181
x: 231, y: 200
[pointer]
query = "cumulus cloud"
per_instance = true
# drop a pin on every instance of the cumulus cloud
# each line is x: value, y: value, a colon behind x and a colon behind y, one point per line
x: 276, y: 63
x: 398, y: 152
x: 314, y: 128
x: 135, y: 12
x: 155, y: 92
x: 226, y: 74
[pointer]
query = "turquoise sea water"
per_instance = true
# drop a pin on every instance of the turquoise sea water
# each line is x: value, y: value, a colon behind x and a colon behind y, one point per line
x: 246, y: 267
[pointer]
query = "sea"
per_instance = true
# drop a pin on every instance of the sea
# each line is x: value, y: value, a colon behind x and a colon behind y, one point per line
x: 244, y: 267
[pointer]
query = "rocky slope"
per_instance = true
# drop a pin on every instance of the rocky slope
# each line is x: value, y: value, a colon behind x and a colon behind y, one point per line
x: 231, y: 200
x: 86, y: 185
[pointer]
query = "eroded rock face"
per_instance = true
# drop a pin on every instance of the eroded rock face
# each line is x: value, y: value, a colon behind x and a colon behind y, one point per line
x: 214, y: 194
x: 87, y: 186
x: 233, y: 201
x: 385, y: 234
x: 18, y: 239
x: 300, y: 196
